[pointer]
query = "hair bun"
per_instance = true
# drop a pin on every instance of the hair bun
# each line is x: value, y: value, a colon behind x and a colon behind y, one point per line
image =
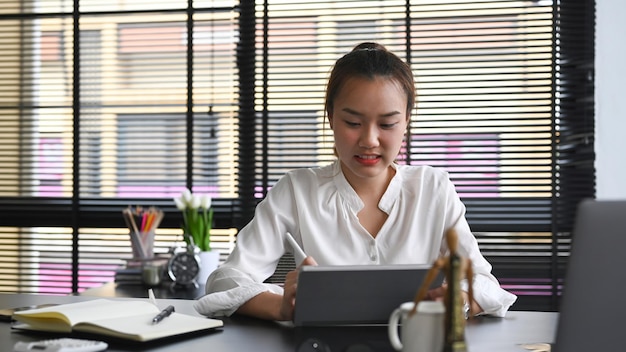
x: 369, y: 46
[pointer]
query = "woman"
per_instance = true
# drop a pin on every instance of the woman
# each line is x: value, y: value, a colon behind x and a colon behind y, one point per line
x: 361, y: 209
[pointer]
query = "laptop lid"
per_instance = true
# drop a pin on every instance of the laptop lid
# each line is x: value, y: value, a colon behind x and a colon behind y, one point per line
x: 355, y: 295
x: 593, y: 306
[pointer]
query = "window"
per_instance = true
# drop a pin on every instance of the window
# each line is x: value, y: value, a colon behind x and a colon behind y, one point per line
x: 128, y: 103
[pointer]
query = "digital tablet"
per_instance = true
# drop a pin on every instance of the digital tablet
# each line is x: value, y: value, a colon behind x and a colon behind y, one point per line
x: 355, y: 295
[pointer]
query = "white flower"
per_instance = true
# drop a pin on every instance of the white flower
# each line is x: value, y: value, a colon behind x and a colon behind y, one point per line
x: 188, y: 201
x: 180, y: 203
x: 205, y: 201
x: 195, y: 202
x: 197, y: 223
x: 187, y: 198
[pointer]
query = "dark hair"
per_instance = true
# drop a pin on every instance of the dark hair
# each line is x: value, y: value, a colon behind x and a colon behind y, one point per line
x: 369, y: 60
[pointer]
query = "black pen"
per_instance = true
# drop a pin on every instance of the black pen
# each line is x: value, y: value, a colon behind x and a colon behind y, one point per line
x: 164, y: 314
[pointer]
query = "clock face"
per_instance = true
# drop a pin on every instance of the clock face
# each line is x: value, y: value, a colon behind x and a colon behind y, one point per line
x: 183, y: 268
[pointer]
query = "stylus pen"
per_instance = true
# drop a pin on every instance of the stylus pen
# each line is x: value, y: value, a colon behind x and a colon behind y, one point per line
x: 298, y: 253
x: 151, y: 297
x: 164, y: 314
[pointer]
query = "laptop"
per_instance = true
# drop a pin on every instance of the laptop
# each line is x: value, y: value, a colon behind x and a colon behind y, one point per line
x: 355, y: 295
x: 593, y: 307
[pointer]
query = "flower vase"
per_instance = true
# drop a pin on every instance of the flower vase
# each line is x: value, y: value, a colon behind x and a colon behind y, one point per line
x: 209, y: 260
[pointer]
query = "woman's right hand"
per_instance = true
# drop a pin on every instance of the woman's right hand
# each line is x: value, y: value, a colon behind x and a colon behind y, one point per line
x: 290, y: 288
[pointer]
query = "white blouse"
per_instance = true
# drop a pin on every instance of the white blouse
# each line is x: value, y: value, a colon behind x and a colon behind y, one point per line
x: 319, y: 208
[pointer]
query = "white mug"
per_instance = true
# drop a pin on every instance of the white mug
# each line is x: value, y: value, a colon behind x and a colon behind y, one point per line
x: 422, y: 331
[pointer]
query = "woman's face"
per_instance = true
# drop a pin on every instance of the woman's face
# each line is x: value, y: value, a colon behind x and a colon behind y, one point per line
x: 368, y: 119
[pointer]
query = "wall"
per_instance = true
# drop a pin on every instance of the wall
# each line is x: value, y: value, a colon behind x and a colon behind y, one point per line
x: 610, y: 99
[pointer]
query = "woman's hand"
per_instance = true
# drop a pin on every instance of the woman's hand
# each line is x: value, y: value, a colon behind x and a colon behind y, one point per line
x: 290, y: 288
x: 272, y: 306
x: 438, y: 294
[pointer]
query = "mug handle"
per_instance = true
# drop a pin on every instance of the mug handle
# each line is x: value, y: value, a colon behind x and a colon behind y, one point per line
x: 392, y: 329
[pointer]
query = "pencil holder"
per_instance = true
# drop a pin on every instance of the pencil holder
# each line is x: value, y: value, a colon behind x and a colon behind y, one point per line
x: 142, y: 223
x: 142, y: 244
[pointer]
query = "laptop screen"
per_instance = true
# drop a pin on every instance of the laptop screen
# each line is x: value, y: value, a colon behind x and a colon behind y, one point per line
x: 593, y: 306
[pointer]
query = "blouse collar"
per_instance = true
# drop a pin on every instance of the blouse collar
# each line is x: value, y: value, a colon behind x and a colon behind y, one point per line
x: 352, y: 199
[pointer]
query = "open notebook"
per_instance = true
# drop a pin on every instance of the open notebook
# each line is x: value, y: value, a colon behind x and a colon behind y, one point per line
x: 592, y: 310
x: 123, y: 319
x: 355, y: 295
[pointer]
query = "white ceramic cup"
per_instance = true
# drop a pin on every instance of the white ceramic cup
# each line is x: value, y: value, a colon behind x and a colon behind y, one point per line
x: 422, y: 331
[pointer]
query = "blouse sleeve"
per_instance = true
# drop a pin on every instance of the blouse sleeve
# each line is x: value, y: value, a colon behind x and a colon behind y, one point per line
x: 260, y: 245
x: 229, y: 288
x: 493, y: 299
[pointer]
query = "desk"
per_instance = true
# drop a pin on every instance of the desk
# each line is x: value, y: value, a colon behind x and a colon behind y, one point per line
x: 112, y: 289
x: 239, y: 334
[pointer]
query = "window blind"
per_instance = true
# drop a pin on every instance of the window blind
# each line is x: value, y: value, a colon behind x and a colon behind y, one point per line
x: 491, y: 111
x: 110, y: 105
x: 105, y: 106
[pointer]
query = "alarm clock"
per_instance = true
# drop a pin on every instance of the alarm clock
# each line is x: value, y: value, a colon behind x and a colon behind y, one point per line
x: 183, y: 267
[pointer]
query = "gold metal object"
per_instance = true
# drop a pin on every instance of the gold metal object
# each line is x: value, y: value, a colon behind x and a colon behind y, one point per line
x: 455, y: 268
